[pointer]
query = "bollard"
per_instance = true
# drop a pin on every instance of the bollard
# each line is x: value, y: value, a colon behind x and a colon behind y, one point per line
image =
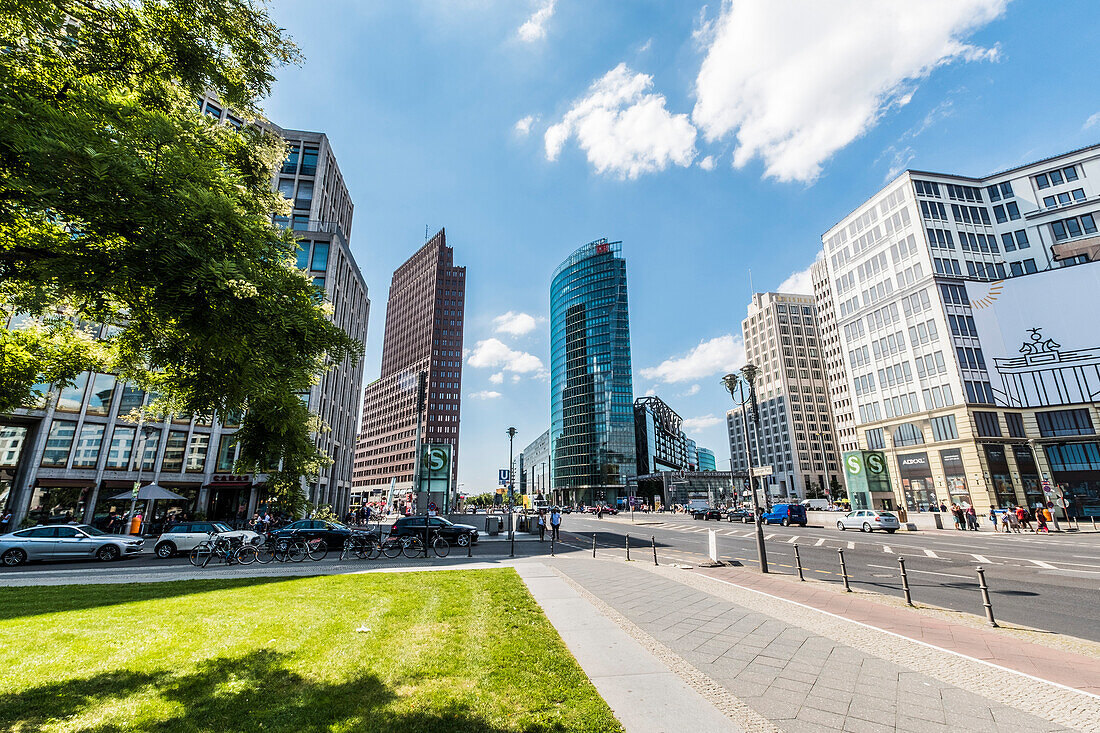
x: 798, y: 562
x: 905, y: 582
x: 593, y: 545
x: 470, y: 547
x: 1093, y: 522
x: 844, y: 571
x: 628, y: 548
x: 985, y: 597
x: 654, y: 541
x: 512, y: 545
x: 551, y: 543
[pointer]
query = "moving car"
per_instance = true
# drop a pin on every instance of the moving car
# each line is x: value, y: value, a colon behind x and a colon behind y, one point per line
x: 868, y: 520
x: 333, y: 533
x: 786, y: 515
x: 456, y: 534
x: 65, y: 542
x: 706, y: 513
x: 183, y: 537
x: 739, y: 515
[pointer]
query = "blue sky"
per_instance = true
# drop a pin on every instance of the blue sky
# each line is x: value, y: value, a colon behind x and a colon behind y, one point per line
x: 710, y: 138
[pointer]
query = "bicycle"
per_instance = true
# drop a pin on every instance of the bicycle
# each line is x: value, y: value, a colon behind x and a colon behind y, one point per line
x: 362, y: 545
x: 224, y: 547
x: 316, y: 548
x: 282, y: 549
x: 414, y: 546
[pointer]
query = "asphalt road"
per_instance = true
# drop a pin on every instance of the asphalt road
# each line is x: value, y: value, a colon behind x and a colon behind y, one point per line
x: 1049, y: 582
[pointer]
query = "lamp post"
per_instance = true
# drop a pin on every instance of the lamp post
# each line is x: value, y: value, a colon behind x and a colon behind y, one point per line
x: 146, y: 432
x: 511, y: 479
x: 736, y: 386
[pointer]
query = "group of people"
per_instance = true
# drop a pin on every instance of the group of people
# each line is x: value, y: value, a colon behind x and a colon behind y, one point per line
x: 553, y: 519
x: 1019, y: 519
x: 360, y: 516
x: 965, y: 516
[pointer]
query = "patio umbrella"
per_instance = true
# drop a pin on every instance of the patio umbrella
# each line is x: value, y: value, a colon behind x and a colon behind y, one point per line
x: 148, y: 493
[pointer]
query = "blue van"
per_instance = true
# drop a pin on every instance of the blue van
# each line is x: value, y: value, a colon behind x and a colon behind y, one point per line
x: 786, y: 514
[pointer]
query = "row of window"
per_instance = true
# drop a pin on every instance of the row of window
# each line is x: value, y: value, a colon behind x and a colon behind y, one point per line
x: 1056, y: 177
x: 973, y: 214
x: 1064, y: 199
x: 179, y: 454
x: 1073, y: 227
x: 980, y: 393
x: 963, y: 193
x: 998, y: 191
x: 946, y: 266
x: 1010, y: 211
x: 308, y: 161
x: 1011, y: 243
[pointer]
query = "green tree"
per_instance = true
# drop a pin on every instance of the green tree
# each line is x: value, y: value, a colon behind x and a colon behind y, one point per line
x: 121, y: 205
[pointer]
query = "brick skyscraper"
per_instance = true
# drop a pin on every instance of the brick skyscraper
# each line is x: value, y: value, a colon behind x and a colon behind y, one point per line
x: 424, y: 317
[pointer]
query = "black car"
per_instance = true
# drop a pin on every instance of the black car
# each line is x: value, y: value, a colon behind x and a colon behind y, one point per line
x: 333, y: 533
x: 456, y: 534
x: 706, y: 513
x: 739, y: 515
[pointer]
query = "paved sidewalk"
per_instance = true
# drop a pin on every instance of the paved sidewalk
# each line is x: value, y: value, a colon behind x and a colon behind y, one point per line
x: 806, y: 671
x: 644, y: 694
x: 1078, y: 671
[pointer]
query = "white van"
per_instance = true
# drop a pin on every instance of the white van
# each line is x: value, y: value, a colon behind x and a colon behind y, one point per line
x: 820, y: 505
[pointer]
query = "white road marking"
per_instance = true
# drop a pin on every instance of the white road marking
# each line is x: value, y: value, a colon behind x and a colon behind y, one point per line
x: 768, y: 536
x: 926, y: 572
x: 819, y: 543
x: 851, y: 545
x: 1044, y: 565
x: 792, y: 540
x: 981, y: 558
x: 886, y: 548
x: 931, y: 554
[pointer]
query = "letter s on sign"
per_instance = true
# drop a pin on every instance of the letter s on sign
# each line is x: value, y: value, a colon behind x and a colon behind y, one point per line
x: 874, y: 462
x: 854, y: 466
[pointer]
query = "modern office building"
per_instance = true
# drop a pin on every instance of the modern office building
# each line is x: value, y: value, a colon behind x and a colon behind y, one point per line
x: 659, y: 441
x: 840, y: 402
x: 425, y: 313
x: 968, y: 340
x: 707, y: 461
x: 795, y: 437
x: 591, y: 388
x: 68, y: 456
x: 535, y: 468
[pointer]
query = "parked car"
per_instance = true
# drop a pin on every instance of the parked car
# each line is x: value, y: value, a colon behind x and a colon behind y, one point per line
x: 706, y: 513
x: 786, y: 515
x: 65, y: 542
x: 183, y: 537
x: 739, y: 515
x: 868, y: 520
x: 333, y: 533
x: 456, y: 534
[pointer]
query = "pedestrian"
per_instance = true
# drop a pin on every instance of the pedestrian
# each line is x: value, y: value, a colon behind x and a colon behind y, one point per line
x: 1024, y: 518
x: 943, y: 507
x: 542, y: 524
x: 599, y: 512
x: 972, y: 518
x: 1040, y: 521
x: 1013, y: 516
x: 957, y: 513
x: 555, y: 525
x: 1047, y: 516
x: 993, y: 517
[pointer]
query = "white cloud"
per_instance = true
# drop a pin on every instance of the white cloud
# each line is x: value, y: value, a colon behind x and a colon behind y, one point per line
x: 534, y: 28
x: 515, y: 379
x: 694, y: 424
x: 624, y: 128
x: 514, y: 324
x: 899, y: 161
x: 485, y: 394
x: 497, y: 378
x: 493, y: 353
x: 719, y: 355
x: 523, y: 125
x: 798, y: 80
x: 708, y: 163
x: 799, y: 282
x: 692, y: 390
x: 1093, y: 120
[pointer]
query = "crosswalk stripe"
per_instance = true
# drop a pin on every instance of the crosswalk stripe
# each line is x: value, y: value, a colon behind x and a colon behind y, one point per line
x: 886, y: 548
x: 931, y: 554
x: 819, y: 543
x: 1044, y: 565
x: 792, y: 540
x: 980, y: 558
x: 768, y: 536
x: 851, y: 545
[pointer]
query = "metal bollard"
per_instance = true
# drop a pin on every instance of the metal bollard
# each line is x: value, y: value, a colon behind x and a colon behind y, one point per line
x: 654, y: 541
x: 593, y: 545
x: 844, y: 571
x: 512, y: 546
x: 551, y: 543
x: 905, y: 582
x: 985, y: 597
x: 798, y: 562
x: 469, y: 547
x: 628, y: 548
x: 1094, y: 523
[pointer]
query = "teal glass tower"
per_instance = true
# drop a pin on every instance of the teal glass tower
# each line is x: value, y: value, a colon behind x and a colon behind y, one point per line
x: 591, y: 388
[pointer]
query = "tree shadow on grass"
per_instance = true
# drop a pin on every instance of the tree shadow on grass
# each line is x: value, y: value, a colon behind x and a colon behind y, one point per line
x: 256, y: 691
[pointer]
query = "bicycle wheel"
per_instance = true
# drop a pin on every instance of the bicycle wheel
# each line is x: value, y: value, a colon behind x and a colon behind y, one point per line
x: 317, y: 551
x: 373, y: 549
x: 412, y: 547
x: 265, y: 553
x: 391, y: 548
x: 200, y: 555
x: 296, y: 551
x: 247, y: 554
x: 441, y: 547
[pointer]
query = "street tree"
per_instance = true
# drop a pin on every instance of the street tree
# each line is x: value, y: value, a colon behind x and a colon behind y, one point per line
x: 122, y: 207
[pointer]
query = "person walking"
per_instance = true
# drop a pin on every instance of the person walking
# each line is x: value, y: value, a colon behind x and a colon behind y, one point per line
x: 555, y: 524
x: 1024, y: 518
x: 1040, y: 521
x: 956, y: 512
x: 972, y: 518
x: 542, y: 524
x: 993, y: 517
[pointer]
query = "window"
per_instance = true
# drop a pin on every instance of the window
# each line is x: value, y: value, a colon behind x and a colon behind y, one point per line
x: 1013, y: 210
x: 1056, y: 178
x: 309, y: 162
x: 999, y: 214
x: 227, y: 453
x: 875, y: 440
x: 286, y: 188
x: 1064, y: 422
x: 1042, y: 181
x: 320, y: 256
x: 72, y: 397
x: 87, y: 446
x: 1070, y: 173
x: 290, y: 165
x: 150, y: 444
x: 908, y: 434
x: 943, y: 428
x: 303, y: 254
x: 132, y: 397
x: 196, y: 453
x: 979, y: 392
x: 173, y: 451
x: 58, y: 443
x: 300, y: 222
x: 987, y: 424
x: 1015, y: 424
x: 103, y: 392
x: 305, y: 195
x: 122, y: 443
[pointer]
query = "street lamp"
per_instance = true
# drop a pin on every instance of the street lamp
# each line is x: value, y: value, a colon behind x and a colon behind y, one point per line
x: 736, y: 386
x: 511, y: 479
x: 146, y: 432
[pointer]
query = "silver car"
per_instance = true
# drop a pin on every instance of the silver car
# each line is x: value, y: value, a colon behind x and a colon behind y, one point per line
x: 65, y: 542
x: 868, y: 520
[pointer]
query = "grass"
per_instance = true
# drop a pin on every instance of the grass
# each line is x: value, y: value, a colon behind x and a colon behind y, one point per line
x: 462, y: 651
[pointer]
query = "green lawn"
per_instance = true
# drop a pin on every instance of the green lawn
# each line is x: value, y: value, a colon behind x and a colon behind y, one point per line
x: 446, y: 651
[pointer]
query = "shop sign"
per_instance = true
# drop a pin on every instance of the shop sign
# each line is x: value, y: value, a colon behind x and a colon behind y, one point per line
x: 230, y: 478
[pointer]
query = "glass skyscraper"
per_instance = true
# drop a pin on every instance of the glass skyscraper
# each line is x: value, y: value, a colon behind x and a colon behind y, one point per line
x: 591, y: 390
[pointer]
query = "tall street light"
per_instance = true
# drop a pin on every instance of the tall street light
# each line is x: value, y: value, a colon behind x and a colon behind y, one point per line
x: 736, y: 386
x: 511, y: 479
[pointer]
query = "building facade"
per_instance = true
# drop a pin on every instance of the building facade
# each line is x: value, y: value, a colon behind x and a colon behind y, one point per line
x: 425, y: 314
x: 66, y: 457
x: 591, y: 388
x: 783, y: 340
x: 535, y: 468
x: 707, y: 461
x: 921, y: 276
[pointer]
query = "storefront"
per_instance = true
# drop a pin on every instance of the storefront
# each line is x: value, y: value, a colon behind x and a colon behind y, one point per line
x: 955, y: 477
x: 229, y: 497
x: 916, y: 482
x: 59, y: 501
x: 997, y: 463
x: 1029, y: 474
x: 1076, y: 471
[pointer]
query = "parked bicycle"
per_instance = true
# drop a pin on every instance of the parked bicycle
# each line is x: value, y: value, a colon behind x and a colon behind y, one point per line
x: 363, y: 545
x: 282, y: 549
x: 228, y: 550
x: 413, y: 546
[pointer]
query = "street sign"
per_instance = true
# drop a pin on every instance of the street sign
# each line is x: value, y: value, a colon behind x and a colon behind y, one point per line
x: 762, y: 471
x: 503, y: 476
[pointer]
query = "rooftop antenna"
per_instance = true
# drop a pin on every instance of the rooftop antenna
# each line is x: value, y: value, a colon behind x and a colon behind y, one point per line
x: 425, y: 232
x: 751, y: 291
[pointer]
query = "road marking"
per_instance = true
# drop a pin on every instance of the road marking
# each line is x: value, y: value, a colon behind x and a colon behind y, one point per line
x: 1044, y: 565
x: 886, y: 548
x: 851, y: 545
x: 792, y: 540
x: 931, y: 554
x: 768, y: 536
x: 926, y: 572
x: 982, y: 558
x: 820, y: 542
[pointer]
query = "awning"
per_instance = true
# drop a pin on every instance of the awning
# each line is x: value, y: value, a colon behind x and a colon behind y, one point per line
x: 149, y: 491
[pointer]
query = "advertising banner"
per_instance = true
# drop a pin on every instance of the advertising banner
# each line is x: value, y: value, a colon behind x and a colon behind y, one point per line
x: 866, y: 473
